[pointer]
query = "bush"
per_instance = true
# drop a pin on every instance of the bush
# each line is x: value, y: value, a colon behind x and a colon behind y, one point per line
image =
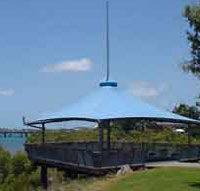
x: 16, y: 183
x: 21, y: 164
x: 17, y: 172
x: 5, y: 164
x: 35, y: 179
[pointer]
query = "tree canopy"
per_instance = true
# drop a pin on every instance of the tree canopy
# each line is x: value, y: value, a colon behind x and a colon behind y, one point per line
x: 192, y: 14
x: 187, y: 111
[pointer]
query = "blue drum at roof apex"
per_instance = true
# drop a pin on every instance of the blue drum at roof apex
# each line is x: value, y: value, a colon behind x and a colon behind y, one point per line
x: 108, y: 84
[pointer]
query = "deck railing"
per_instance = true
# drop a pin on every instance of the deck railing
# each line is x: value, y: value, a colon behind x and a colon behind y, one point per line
x: 90, y: 154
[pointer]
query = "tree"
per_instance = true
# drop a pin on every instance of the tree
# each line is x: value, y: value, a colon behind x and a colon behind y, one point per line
x: 5, y: 164
x: 187, y: 111
x: 192, y: 14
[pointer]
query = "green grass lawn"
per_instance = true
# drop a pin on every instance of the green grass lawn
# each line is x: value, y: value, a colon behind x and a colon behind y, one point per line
x: 160, y: 179
x: 163, y: 179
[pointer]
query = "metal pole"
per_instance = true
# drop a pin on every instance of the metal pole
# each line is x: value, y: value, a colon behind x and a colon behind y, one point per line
x: 107, y: 41
x: 43, y: 133
x: 108, y: 134
x: 100, y: 134
x: 143, y: 155
x: 189, y: 135
x: 143, y: 145
x: 43, y: 173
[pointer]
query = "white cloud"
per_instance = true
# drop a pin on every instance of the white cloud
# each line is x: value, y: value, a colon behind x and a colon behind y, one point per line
x: 8, y: 92
x: 158, y: 94
x: 80, y: 65
x: 144, y: 89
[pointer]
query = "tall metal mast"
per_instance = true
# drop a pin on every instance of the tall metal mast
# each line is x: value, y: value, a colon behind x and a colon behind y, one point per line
x: 107, y: 82
x: 107, y: 42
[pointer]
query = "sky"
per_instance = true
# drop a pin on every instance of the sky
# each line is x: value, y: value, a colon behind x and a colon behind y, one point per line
x: 53, y: 52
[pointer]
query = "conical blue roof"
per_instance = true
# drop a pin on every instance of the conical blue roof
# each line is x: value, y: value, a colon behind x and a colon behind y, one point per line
x: 108, y: 102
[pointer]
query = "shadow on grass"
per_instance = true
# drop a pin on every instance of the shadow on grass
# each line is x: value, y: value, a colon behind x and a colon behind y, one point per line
x: 194, y: 184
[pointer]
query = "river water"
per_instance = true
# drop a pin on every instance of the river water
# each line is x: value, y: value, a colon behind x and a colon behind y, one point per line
x: 13, y: 143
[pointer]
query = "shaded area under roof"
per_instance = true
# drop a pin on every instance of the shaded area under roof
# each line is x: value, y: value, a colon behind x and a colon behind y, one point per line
x: 109, y: 103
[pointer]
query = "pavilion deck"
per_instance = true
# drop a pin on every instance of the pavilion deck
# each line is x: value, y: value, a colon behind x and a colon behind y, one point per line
x: 94, y: 158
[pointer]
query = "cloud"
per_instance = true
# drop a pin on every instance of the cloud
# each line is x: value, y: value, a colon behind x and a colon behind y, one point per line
x: 144, y: 90
x: 81, y: 65
x: 8, y: 92
x: 153, y: 93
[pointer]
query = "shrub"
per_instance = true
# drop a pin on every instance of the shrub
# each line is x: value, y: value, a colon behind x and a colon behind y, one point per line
x: 5, y: 164
x: 21, y: 164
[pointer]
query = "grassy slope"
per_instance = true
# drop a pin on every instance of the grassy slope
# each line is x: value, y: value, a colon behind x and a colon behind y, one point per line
x: 163, y: 179
x: 178, y: 179
x: 159, y: 180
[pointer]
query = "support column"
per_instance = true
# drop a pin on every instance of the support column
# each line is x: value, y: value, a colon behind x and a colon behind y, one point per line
x: 44, y: 176
x: 43, y: 133
x: 189, y: 135
x: 100, y: 134
x: 43, y: 173
x: 143, y: 155
x: 108, y: 134
x: 144, y: 125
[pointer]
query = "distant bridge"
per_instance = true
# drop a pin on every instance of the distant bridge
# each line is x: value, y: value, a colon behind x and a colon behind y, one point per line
x: 7, y: 132
x: 10, y: 132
